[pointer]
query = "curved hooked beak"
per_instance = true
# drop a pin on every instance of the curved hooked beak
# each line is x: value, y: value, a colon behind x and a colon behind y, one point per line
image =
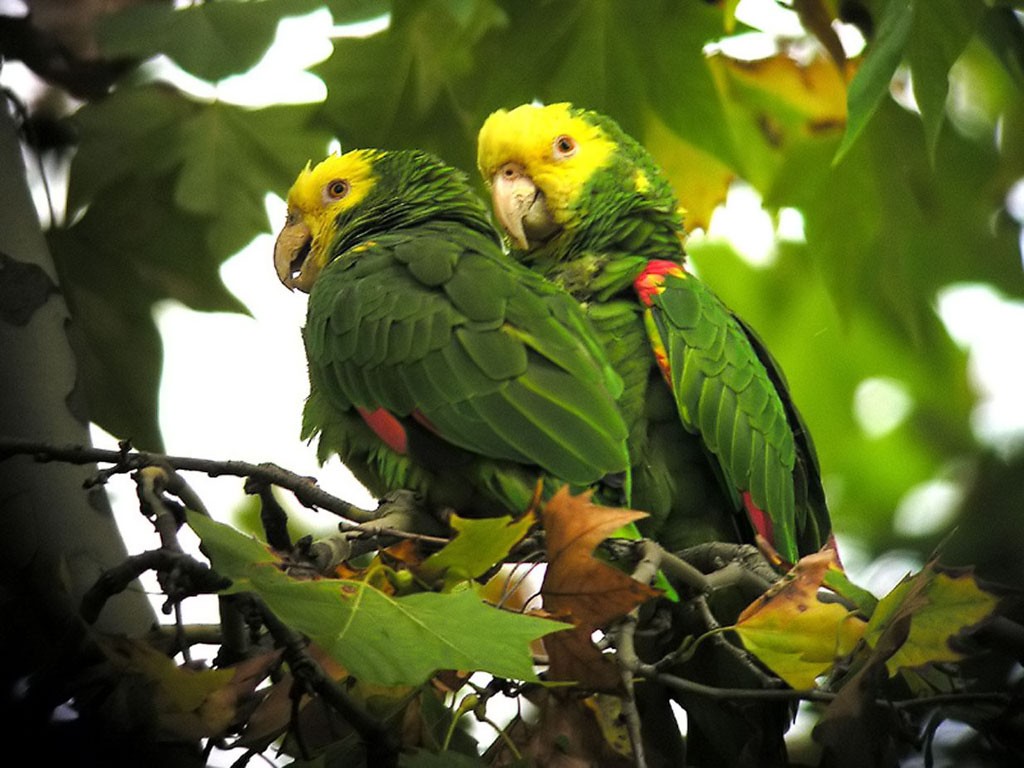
x: 520, y: 207
x: 291, y: 256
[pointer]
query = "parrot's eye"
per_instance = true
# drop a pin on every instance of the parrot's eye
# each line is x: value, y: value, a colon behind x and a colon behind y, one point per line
x: 564, y: 146
x: 337, y: 189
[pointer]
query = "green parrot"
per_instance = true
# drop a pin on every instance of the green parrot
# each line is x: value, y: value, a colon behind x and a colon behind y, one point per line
x: 436, y: 363
x: 719, y: 451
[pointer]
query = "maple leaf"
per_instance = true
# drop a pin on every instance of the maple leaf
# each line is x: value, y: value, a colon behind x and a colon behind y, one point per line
x: 378, y: 636
x: 191, y: 703
x: 271, y: 717
x: 579, y: 587
x: 909, y: 628
x: 569, y: 732
x: 937, y: 606
x: 478, y: 545
x: 793, y: 632
x: 699, y: 178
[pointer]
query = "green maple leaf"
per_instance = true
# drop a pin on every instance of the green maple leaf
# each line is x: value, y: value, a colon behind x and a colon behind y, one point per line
x: 377, y: 637
x: 210, y: 40
x: 479, y: 545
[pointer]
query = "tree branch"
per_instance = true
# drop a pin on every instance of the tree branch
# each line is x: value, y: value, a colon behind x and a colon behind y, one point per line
x: 305, y: 489
x: 115, y: 580
x: 382, y: 745
x: 813, y: 695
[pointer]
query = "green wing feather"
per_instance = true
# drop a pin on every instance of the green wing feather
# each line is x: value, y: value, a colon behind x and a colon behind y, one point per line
x: 435, y: 322
x: 812, y: 517
x: 725, y: 395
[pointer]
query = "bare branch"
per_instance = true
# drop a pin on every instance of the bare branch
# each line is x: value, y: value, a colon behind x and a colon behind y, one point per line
x: 682, y: 572
x: 202, y: 579
x: 305, y: 488
x: 813, y: 695
x: 627, y: 660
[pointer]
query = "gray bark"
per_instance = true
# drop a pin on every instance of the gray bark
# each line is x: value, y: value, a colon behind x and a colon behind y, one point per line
x: 49, y: 525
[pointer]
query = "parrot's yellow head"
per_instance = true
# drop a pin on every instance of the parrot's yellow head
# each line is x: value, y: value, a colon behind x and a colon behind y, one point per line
x: 319, y: 195
x: 536, y: 161
x: 565, y: 180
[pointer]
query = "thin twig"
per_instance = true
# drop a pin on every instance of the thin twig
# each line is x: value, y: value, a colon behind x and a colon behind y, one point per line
x: 813, y: 695
x: 939, y: 699
x: 681, y: 572
x: 272, y: 515
x: 718, y: 638
x: 305, y: 489
x: 626, y: 655
x: 732, y: 694
x: 398, y: 533
x: 646, y: 569
x: 382, y: 745
x: 115, y: 580
x: 647, y: 566
x: 738, y: 575
x: 514, y: 580
x: 150, y: 482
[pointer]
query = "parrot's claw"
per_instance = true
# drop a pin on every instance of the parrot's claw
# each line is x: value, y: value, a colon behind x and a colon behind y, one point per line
x: 406, y: 511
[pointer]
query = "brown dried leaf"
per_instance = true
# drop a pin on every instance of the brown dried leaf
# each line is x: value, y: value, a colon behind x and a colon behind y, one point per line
x: 573, y: 656
x: 577, y: 584
x: 271, y: 717
x: 568, y: 733
x: 583, y: 589
x: 855, y: 729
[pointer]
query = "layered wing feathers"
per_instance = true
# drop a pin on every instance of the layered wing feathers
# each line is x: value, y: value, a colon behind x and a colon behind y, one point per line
x: 725, y: 395
x: 436, y: 323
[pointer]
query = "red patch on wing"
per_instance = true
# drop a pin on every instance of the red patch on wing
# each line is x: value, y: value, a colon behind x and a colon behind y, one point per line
x: 387, y: 428
x: 762, y: 524
x: 651, y: 281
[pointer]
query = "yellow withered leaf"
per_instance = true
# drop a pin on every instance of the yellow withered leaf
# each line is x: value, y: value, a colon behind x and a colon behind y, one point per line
x: 700, y: 180
x: 793, y: 632
x: 940, y: 605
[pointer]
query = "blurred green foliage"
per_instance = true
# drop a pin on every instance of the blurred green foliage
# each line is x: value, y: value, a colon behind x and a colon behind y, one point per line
x: 897, y: 203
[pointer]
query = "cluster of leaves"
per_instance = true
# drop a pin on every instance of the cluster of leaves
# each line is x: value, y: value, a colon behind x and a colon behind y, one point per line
x: 402, y: 631
x: 382, y: 630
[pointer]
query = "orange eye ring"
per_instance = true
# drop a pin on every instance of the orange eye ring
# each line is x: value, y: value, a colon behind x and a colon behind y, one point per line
x: 564, y: 146
x: 337, y: 189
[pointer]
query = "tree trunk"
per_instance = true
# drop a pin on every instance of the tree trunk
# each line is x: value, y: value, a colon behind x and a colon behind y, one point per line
x: 56, y: 537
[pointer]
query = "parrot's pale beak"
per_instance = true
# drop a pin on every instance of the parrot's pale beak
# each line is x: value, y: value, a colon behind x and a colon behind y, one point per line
x: 520, y: 207
x: 291, y: 256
